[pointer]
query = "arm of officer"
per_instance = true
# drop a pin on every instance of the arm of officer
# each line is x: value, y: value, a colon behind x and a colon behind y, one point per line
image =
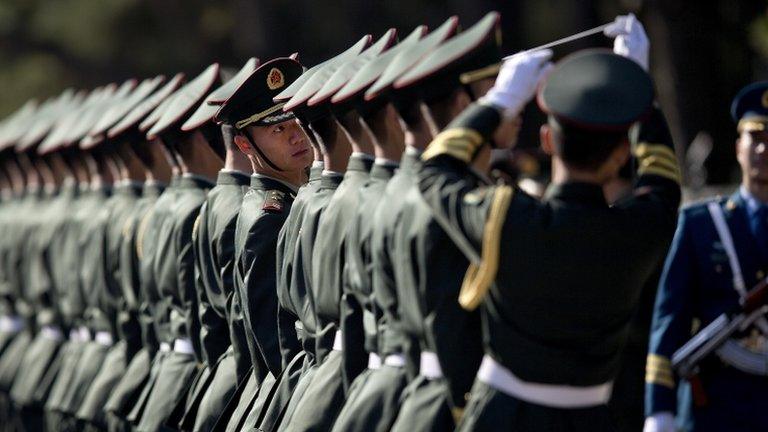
x: 672, y: 320
x: 260, y: 293
x: 186, y: 280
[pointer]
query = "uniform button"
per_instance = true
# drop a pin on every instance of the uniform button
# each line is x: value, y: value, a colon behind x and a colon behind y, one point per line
x: 760, y: 274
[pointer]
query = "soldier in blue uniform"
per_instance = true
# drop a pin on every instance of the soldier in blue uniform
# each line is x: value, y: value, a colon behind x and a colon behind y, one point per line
x: 720, y: 251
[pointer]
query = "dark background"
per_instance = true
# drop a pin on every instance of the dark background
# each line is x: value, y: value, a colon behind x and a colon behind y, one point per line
x: 702, y: 51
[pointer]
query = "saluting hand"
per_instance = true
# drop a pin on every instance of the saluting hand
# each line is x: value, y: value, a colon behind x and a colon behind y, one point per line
x: 631, y: 40
x: 517, y: 81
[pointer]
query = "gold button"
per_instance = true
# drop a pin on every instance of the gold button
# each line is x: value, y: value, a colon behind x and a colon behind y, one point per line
x: 760, y: 274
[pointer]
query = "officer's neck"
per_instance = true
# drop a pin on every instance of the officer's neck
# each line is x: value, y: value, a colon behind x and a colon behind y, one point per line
x: 563, y: 173
x: 197, y: 157
x: 295, y: 178
x: 336, y: 155
x: 235, y: 160
x: 385, y: 133
x: 359, y: 140
x: 758, y: 189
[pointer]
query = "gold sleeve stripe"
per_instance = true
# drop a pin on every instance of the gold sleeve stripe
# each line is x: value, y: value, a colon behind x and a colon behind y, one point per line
x: 659, y: 160
x: 478, y: 74
x: 658, y: 370
x: 479, y: 278
x: 140, y: 235
x: 662, y: 380
x: 643, y: 150
x: 752, y: 125
x: 460, y: 143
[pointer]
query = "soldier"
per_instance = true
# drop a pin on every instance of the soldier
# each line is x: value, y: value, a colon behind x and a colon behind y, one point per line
x: 296, y: 320
x: 719, y: 252
x: 199, y: 154
x: 521, y: 383
x: 30, y: 388
x: 279, y: 153
x: 423, y: 304
x: 213, y: 250
x: 122, y: 343
x: 138, y: 334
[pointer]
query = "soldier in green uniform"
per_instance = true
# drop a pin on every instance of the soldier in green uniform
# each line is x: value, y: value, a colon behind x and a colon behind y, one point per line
x: 279, y: 153
x: 199, y: 153
x: 326, y: 290
x: 30, y: 388
x: 116, y: 347
x: 139, y: 336
x: 208, y: 396
x: 537, y: 319
x: 334, y: 143
x: 295, y: 315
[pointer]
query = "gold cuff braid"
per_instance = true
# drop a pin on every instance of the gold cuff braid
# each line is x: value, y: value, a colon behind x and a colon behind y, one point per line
x: 659, y: 160
x: 460, y: 143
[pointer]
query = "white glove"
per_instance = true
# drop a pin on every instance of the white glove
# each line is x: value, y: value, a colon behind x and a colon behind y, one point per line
x: 660, y: 422
x: 631, y: 40
x: 517, y: 81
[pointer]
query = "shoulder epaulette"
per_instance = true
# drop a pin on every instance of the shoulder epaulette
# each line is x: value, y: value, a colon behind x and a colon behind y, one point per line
x: 274, y: 201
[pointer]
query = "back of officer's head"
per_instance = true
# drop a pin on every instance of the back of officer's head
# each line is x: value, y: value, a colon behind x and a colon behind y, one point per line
x: 592, y: 98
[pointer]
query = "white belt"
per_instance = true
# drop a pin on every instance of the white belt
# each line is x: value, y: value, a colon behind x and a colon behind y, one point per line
x: 52, y: 333
x: 11, y: 324
x: 165, y: 347
x: 85, y: 334
x: 74, y: 336
x: 551, y: 395
x: 183, y: 346
x: 394, y: 360
x: 104, y: 338
x: 429, y: 366
x: 337, y: 345
x: 374, y: 361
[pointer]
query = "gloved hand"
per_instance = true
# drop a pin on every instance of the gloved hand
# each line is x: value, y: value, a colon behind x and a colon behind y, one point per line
x: 660, y: 422
x: 631, y: 40
x: 517, y: 81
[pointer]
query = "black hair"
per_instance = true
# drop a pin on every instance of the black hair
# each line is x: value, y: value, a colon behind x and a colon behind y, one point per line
x: 213, y: 135
x: 440, y: 106
x: 585, y: 149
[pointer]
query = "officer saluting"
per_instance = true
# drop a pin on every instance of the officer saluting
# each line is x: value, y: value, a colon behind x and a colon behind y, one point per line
x: 554, y: 326
x: 720, y: 251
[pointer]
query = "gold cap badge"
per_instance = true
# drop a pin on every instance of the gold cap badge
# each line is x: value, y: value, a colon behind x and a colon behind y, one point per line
x: 275, y: 79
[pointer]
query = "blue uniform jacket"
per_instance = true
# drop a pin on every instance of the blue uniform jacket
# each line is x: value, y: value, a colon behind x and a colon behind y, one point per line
x: 695, y: 288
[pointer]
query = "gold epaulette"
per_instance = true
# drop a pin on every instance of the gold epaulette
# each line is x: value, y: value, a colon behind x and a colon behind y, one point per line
x: 658, y: 370
x: 657, y: 159
x: 461, y: 143
x: 479, y: 278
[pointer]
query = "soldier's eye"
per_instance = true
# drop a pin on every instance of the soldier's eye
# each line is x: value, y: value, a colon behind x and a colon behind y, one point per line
x: 278, y: 129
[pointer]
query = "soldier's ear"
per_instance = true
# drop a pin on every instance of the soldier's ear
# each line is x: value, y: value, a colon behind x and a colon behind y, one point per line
x: 545, y: 135
x: 243, y: 144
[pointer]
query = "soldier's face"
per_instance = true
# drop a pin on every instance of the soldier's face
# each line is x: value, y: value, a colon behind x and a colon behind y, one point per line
x: 752, y: 154
x: 285, y: 144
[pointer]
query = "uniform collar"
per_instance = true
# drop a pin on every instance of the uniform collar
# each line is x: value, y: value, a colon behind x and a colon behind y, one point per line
x: 584, y: 193
x: 383, y: 171
x: 360, y: 162
x: 316, y: 172
x: 330, y: 180
x: 260, y: 181
x: 752, y: 203
x: 195, y: 181
x: 233, y: 177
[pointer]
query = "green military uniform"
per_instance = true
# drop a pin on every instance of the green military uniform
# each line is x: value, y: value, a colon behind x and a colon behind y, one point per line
x: 296, y: 319
x: 175, y: 311
x: 521, y: 240
x: 139, y: 335
x: 214, y: 264
x: 264, y: 209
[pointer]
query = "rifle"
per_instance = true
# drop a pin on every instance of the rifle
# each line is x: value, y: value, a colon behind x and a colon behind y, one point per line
x: 686, y: 360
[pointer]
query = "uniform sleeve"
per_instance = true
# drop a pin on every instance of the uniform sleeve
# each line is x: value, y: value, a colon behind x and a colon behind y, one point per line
x: 672, y: 320
x: 286, y: 320
x: 186, y: 290
x: 351, y: 313
x: 205, y: 273
x: 658, y: 172
x: 260, y: 289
